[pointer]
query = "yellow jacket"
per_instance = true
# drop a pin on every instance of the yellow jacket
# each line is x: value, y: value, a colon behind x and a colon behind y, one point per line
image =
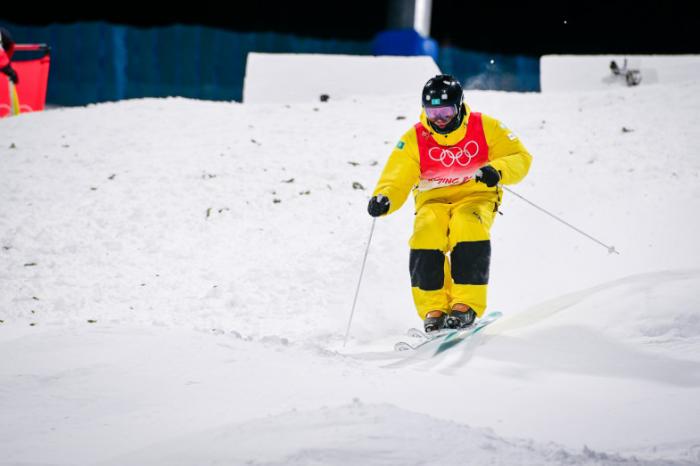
x: 402, y: 171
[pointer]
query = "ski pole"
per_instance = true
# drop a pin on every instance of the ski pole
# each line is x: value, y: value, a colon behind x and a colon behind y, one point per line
x: 357, y: 291
x: 611, y: 249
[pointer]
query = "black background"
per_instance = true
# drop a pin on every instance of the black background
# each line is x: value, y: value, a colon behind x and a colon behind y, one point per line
x: 525, y: 27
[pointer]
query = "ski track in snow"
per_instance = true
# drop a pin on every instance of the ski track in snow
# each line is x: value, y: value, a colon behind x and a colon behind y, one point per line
x: 176, y: 277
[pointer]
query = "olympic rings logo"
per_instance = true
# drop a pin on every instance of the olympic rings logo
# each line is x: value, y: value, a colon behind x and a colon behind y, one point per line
x: 448, y: 156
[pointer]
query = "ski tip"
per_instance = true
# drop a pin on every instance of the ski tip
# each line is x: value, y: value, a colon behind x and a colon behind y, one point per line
x: 403, y: 346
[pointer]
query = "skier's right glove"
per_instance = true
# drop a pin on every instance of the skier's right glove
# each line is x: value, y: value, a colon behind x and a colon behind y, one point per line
x: 378, y: 205
x: 11, y: 73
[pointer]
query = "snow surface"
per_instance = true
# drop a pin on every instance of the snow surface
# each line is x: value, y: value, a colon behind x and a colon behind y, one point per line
x: 176, y: 278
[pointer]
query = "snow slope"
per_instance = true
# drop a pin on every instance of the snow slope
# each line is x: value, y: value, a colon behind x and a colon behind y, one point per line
x: 176, y: 277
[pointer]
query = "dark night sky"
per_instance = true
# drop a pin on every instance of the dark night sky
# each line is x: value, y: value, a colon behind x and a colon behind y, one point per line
x: 525, y: 27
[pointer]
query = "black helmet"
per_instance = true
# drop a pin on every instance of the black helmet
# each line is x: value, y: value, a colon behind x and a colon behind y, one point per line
x: 444, y: 90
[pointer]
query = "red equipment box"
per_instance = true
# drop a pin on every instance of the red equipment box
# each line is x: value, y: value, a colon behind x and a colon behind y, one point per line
x: 33, y: 76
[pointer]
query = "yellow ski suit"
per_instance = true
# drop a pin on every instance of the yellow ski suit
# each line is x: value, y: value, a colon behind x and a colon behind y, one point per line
x: 450, y: 246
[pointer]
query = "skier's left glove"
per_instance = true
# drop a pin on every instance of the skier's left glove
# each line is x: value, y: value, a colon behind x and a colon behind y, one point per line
x: 378, y: 205
x: 488, y: 175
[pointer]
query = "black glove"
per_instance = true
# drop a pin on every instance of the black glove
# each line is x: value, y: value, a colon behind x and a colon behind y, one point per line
x: 488, y: 175
x: 378, y: 205
x: 11, y: 73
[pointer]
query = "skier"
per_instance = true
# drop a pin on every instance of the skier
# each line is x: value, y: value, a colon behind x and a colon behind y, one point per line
x: 7, y: 47
x: 453, y: 160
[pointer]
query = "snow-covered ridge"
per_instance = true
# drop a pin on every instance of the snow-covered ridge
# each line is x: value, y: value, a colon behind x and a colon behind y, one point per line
x: 358, y: 433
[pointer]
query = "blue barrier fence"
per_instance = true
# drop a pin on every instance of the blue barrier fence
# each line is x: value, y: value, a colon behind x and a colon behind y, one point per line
x: 97, y: 62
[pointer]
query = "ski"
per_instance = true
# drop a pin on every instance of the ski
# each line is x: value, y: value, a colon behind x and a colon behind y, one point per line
x: 421, y: 335
x: 446, y: 338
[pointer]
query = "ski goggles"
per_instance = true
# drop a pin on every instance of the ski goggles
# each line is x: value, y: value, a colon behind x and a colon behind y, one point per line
x: 445, y: 113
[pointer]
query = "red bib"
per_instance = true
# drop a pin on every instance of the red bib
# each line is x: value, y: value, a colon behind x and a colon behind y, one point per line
x: 450, y: 165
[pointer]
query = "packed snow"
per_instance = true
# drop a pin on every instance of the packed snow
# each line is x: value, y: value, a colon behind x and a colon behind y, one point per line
x: 176, y: 280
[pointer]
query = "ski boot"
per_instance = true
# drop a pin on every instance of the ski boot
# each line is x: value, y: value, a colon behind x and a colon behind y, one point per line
x: 461, y: 316
x: 434, y: 321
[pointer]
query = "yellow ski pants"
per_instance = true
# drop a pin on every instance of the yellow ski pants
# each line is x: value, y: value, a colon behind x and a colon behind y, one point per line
x: 451, y: 252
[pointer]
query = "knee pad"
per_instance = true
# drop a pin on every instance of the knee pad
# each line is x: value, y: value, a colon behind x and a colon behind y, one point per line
x: 427, y: 269
x: 470, y: 262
